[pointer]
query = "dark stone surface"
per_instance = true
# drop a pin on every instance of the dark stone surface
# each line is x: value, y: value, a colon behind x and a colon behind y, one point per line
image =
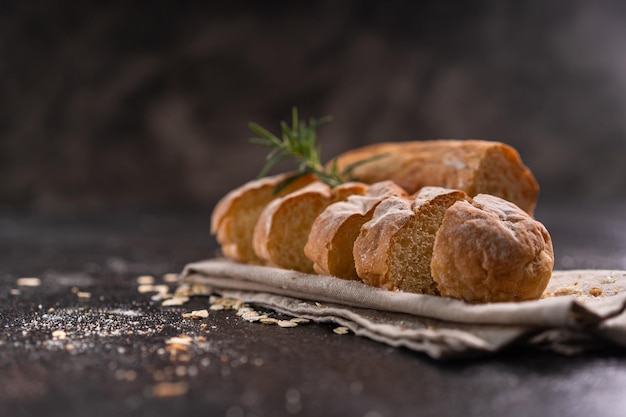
x: 114, y: 354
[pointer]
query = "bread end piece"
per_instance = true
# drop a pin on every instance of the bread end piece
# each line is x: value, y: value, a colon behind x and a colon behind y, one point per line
x: 490, y: 250
x: 234, y: 217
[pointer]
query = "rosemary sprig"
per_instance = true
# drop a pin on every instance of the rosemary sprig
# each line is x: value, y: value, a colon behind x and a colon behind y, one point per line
x: 298, y: 141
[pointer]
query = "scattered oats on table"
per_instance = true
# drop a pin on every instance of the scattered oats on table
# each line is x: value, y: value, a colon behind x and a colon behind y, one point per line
x: 196, y: 314
x: 175, y: 301
x: 145, y: 279
x: 28, y: 282
x: 341, y: 330
x: 171, y: 277
x: 183, y: 340
x: 146, y: 288
x: 83, y: 295
x: 59, y: 334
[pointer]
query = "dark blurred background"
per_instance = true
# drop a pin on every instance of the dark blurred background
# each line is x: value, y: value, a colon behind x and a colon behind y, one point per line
x: 113, y: 104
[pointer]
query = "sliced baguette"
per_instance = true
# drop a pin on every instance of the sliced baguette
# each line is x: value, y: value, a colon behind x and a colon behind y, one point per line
x: 283, y: 227
x: 333, y: 233
x: 490, y: 250
x: 473, y: 166
x: 394, y: 249
x: 236, y: 214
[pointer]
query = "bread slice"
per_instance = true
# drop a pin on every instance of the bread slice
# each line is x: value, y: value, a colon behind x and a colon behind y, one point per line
x: 236, y: 214
x: 473, y: 166
x: 333, y: 233
x: 490, y: 250
x: 284, y: 225
x: 394, y: 249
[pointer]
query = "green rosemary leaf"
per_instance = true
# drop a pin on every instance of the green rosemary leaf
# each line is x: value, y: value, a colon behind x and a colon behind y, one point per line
x: 261, y: 141
x: 264, y: 134
x: 299, y: 141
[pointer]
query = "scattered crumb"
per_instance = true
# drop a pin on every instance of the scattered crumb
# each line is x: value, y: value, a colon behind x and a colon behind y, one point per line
x: 171, y: 277
x: 145, y: 279
x: 341, y: 330
x: 175, y: 301
x: 182, y: 340
x: 146, y: 288
x: 300, y: 320
x: 84, y: 295
x: 566, y: 291
x: 59, y: 335
x: 28, y: 282
x: 595, y: 291
x: 250, y: 315
x: 225, y: 303
x: 196, y: 315
x: 190, y: 290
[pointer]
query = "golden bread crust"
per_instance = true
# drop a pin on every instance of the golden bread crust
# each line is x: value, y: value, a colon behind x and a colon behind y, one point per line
x: 491, y: 251
x: 473, y: 166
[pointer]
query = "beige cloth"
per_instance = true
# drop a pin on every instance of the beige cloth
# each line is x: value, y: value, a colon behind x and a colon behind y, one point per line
x: 581, y: 309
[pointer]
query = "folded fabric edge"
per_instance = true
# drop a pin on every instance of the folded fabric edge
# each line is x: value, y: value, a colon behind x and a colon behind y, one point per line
x: 439, y: 343
x: 562, y: 311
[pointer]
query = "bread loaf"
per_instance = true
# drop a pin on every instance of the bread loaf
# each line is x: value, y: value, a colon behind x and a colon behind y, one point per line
x: 438, y: 241
x: 473, y: 166
x: 394, y: 249
x: 236, y: 214
x: 283, y: 227
x: 489, y: 250
x: 329, y: 245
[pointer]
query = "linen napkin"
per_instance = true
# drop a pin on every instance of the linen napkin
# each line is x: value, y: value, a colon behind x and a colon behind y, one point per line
x: 580, y: 310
